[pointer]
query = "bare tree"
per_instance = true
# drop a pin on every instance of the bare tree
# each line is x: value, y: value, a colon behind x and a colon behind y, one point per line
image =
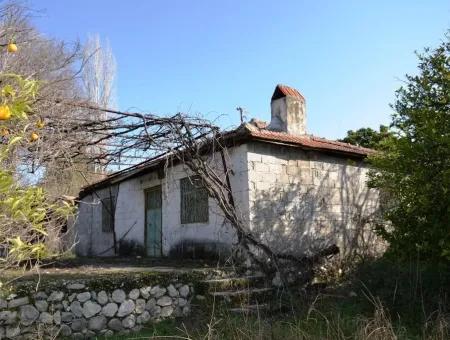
x: 98, y: 79
x: 53, y: 64
x: 99, y: 72
x: 65, y: 72
x: 203, y: 149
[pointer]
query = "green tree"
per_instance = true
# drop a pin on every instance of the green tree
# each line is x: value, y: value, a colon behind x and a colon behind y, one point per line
x: 28, y: 217
x: 413, y: 170
x: 367, y: 137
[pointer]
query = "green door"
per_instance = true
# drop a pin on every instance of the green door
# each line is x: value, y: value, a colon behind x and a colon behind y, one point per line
x: 153, y: 221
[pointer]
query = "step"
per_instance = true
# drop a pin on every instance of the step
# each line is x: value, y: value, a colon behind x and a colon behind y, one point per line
x: 249, y: 291
x: 250, y: 309
x: 243, y: 296
x: 235, y: 282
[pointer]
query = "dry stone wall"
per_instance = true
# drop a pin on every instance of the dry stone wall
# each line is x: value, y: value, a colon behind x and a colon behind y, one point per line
x: 76, y: 311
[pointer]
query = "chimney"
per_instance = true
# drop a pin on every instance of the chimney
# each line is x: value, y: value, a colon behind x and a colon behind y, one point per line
x: 288, y: 111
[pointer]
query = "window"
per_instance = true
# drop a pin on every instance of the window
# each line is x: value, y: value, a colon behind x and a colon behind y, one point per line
x: 194, y: 201
x: 108, y: 211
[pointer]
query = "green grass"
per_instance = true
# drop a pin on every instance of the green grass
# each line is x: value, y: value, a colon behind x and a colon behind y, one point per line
x: 164, y: 329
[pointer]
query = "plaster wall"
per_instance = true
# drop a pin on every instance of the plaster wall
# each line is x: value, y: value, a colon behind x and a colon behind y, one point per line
x: 288, y: 115
x: 130, y: 210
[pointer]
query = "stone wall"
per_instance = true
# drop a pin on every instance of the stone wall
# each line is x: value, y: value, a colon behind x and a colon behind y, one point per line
x: 78, y: 311
x: 302, y: 200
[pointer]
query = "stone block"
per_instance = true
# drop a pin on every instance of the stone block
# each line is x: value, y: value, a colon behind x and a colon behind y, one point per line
x: 90, y: 309
x: 18, y: 302
x: 83, y: 297
x: 129, y: 321
x: 115, y: 325
x: 134, y: 294
x: 97, y: 323
x: 126, y: 308
x: 110, y: 309
x: 261, y: 168
x: 164, y: 301
x: 28, y: 314
x: 102, y: 298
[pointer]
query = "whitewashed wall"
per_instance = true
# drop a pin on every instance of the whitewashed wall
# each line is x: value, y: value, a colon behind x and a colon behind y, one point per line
x: 130, y: 210
x: 294, y: 200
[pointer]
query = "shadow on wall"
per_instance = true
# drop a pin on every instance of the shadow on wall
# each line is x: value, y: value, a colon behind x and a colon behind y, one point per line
x: 332, y: 207
x: 200, y: 250
x: 130, y: 248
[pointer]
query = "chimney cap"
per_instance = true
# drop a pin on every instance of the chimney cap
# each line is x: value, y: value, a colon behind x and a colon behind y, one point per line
x: 286, y: 91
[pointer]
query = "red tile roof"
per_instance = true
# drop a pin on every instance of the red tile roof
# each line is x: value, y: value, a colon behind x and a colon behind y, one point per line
x: 284, y: 91
x: 307, y: 141
x: 244, y: 133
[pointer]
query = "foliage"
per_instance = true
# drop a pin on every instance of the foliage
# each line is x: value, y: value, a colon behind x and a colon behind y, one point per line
x: 26, y: 213
x: 413, y: 171
x: 411, y: 289
x: 57, y: 66
x: 367, y: 137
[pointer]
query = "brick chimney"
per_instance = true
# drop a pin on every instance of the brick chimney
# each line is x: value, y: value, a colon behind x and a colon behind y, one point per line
x: 288, y: 111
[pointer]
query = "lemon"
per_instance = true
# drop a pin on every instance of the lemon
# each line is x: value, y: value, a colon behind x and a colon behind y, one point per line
x: 5, y: 112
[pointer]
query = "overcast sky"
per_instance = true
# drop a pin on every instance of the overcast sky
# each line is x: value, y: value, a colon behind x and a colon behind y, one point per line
x: 346, y: 57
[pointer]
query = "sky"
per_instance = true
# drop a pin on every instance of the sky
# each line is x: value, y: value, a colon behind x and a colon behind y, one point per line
x: 208, y: 57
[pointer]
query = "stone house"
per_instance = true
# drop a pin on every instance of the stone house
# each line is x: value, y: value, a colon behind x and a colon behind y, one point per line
x: 295, y: 191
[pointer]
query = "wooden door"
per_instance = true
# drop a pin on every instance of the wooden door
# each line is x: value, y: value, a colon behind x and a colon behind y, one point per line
x: 153, y: 221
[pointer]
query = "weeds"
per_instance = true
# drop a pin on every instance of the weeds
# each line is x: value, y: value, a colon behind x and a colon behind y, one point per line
x: 379, y: 300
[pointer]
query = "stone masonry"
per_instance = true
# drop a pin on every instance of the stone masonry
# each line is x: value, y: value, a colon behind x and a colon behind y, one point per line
x: 77, y: 312
x: 303, y: 200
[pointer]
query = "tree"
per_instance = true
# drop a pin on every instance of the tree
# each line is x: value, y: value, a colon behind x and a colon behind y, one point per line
x: 367, y: 137
x: 99, y: 73
x: 35, y: 74
x: 98, y: 79
x: 413, y: 171
x: 29, y: 219
x: 65, y: 72
x: 53, y: 64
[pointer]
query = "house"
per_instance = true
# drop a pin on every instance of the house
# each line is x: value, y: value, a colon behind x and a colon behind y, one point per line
x: 295, y: 191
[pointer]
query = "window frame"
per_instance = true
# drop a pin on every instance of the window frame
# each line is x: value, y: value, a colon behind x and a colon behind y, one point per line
x: 193, y: 214
x: 108, y: 214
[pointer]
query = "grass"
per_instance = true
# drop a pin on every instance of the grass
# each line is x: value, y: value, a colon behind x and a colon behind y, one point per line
x: 379, y: 300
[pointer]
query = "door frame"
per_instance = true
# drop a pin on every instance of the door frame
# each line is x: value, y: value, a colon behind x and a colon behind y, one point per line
x: 146, y: 191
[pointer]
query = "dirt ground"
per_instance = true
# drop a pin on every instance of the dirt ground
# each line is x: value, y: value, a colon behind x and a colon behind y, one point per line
x: 85, y: 267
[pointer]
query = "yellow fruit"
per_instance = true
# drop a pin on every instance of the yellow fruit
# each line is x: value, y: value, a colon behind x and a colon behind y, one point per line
x: 12, y: 48
x: 40, y: 124
x: 34, y: 137
x: 5, y: 112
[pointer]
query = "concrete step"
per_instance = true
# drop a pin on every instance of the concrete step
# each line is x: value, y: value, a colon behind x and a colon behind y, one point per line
x: 233, y: 283
x: 237, y: 298
x: 249, y: 291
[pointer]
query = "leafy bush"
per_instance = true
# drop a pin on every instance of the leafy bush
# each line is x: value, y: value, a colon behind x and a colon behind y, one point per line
x: 413, y: 169
x: 28, y: 217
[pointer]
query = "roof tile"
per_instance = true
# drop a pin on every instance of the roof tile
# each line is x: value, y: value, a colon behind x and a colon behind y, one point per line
x: 285, y: 91
x: 307, y: 141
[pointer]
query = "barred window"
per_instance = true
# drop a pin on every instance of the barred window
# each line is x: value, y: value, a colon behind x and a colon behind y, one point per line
x: 194, y: 201
x: 108, y: 212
